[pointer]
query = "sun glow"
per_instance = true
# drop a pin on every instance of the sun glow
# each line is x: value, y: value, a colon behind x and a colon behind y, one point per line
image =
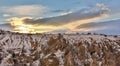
x: 20, y: 26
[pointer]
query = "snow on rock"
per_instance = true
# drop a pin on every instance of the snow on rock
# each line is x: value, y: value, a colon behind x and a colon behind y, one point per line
x: 59, y: 54
x: 59, y: 49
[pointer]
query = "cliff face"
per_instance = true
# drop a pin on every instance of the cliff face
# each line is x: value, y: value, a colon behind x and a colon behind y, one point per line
x: 59, y: 50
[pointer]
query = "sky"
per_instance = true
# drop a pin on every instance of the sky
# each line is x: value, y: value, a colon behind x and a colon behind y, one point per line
x: 60, y: 16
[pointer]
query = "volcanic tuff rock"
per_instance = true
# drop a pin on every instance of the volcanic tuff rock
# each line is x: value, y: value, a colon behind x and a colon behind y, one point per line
x: 59, y: 49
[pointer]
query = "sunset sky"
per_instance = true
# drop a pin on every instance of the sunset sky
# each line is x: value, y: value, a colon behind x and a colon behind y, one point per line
x: 39, y: 16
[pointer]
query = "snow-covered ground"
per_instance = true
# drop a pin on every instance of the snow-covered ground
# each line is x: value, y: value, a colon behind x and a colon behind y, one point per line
x: 59, y: 49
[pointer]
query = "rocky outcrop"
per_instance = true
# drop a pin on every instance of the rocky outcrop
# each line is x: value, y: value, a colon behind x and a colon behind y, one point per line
x: 59, y: 50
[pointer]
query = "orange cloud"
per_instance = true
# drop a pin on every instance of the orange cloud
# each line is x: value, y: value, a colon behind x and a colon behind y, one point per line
x: 20, y: 26
x: 72, y: 25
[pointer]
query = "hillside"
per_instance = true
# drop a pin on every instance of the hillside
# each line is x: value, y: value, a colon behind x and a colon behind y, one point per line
x: 59, y: 49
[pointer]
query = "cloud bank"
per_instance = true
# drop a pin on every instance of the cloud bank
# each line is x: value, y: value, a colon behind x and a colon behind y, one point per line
x: 64, y: 22
x: 85, y: 13
x: 108, y: 27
